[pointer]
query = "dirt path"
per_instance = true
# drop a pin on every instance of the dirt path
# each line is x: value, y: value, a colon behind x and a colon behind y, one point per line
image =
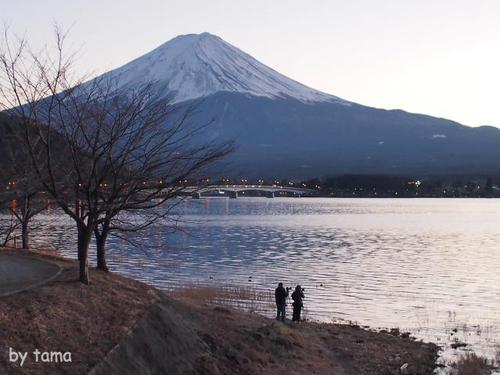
x: 18, y: 273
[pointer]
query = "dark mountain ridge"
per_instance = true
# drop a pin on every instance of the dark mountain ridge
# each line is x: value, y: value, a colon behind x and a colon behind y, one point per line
x: 286, y: 138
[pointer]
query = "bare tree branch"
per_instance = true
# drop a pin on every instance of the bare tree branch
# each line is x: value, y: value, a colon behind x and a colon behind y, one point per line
x: 101, y: 150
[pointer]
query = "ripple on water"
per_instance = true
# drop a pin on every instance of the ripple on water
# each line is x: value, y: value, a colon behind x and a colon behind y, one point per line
x: 427, y: 266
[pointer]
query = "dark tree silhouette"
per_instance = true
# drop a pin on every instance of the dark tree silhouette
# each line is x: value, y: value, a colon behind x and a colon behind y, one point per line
x: 100, y: 151
x: 20, y: 193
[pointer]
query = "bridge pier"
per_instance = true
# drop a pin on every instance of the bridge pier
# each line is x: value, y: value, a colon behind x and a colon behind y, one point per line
x: 269, y: 194
x: 233, y: 194
x: 196, y: 195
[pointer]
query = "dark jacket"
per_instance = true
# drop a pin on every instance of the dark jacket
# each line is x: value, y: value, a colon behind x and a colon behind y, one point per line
x: 280, y: 294
x: 297, y: 297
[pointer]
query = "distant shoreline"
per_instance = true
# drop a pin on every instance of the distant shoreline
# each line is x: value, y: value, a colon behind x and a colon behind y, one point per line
x: 356, y: 196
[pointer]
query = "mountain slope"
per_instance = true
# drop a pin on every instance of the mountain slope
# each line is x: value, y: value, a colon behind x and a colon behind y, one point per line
x: 284, y: 129
x: 194, y: 66
x: 285, y: 138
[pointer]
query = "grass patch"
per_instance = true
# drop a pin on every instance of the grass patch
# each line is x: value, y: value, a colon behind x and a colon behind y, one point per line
x: 245, y: 298
x: 471, y: 364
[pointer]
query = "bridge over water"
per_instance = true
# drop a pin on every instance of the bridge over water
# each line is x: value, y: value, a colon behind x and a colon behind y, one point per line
x: 235, y: 191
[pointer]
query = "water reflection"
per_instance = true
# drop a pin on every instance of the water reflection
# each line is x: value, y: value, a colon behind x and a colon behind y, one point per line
x: 427, y: 266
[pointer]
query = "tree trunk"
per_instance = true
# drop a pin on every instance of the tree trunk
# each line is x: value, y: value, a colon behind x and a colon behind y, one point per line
x: 25, y: 234
x: 78, y: 241
x: 101, y: 249
x: 84, y: 237
x: 26, y: 215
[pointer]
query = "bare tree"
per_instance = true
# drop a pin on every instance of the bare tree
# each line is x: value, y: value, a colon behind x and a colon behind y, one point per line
x: 97, y: 149
x: 23, y: 203
x: 21, y: 194
x: 152, y: 164
x: 8, y: 226
x: 128, y: 221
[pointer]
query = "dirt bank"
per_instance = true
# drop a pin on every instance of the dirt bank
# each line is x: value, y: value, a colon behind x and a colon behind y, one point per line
x: 66, y: 316
x: 120, y: 326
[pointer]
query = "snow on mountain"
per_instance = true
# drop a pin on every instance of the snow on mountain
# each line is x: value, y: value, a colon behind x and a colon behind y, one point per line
x: 197, y: 65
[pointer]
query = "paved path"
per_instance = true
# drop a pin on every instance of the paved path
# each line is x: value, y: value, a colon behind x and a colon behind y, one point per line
x: 18, y: 273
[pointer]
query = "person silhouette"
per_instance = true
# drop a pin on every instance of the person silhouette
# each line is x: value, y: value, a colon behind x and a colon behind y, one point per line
x: 297, y: 296
x: 280, y: 295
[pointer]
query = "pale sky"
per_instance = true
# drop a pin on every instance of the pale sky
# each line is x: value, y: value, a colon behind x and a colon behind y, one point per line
x: 438, y: 57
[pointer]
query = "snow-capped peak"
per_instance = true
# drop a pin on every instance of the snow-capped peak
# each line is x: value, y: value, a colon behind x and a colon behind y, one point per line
x: 197, y: 65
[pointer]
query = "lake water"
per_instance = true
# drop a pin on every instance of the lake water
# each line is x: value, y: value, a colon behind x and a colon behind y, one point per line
x: 427, y: 266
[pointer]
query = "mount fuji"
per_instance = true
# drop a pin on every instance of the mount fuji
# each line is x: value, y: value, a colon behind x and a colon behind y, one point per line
x: 194, y: 66
x: 284, y: 129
